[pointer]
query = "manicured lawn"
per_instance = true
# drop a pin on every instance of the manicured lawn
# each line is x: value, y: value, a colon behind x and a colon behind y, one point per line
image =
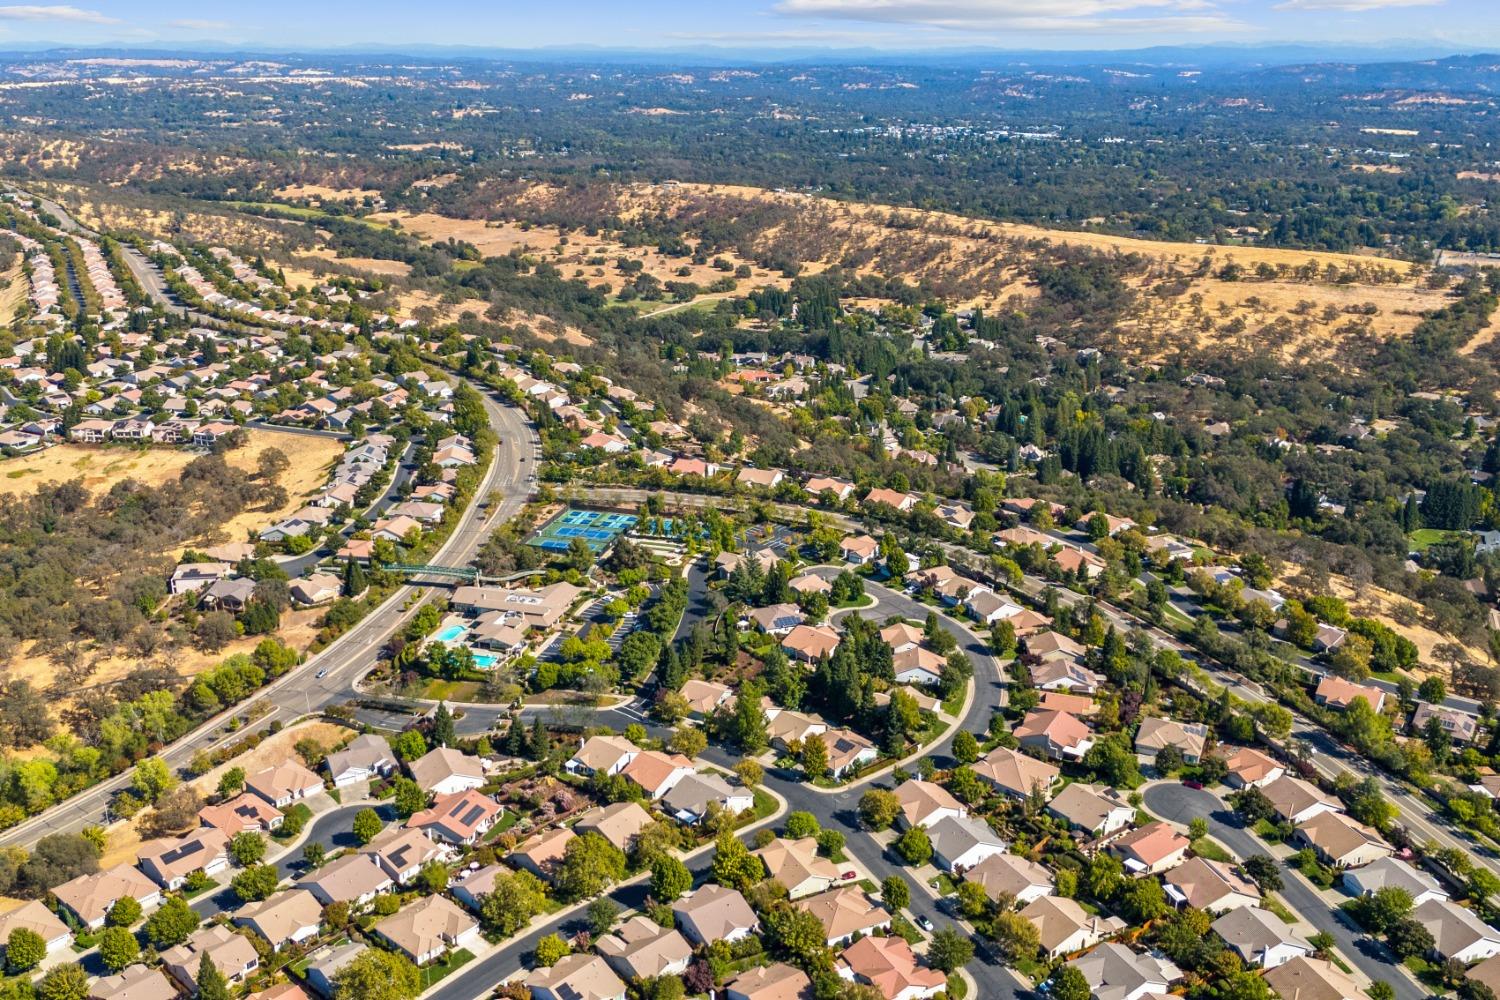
x: 1277, y: 907
x: 437, y: 971
x: 900, y: 925
x: 208, y: 886
x: 943, y: 884
x: 765, y: 805
x: 1424, y: 538
x: 1211, y: 850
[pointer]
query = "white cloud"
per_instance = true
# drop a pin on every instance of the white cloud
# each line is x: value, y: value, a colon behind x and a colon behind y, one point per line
x: 1353, y: 5
x: 76, y: 15
x: 1021, y: 15
x: 198, y: 24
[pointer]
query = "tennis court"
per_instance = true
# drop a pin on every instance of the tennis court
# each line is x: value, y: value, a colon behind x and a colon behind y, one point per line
x: 596, y: 528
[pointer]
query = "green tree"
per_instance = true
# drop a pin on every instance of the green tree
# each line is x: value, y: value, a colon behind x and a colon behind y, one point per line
x: 256, y: 883
x: 64, y: 982
x: 590, y: 865
x: 878, y: 808
x: 377, y: 974
x: 1017, y: 937
x: 247, y: 848
x: 1069, y: 983
x: 211, y: 982
x: 231, y: 782
x: 914, y: 846
x: 24, y: 950
x: 601, y: 915
x: 124, y: 913
x: 1433, y: 691
x: 965, y: 747
x: 670, y: 878
x: 118, y: 948
x: 802, y: 824
x: 515, y: 898
x: 408, y: 797
x: 153, y: 779
x: 733, y: 865
x: 172, y: 923
x: 443, y: 732
x: 896, y: 892
x: 550, y: 950
x: 367, y: 825
x: 314, y: 854
x: 798, y: 936
x: 434, y: 877
x: 949, y: 950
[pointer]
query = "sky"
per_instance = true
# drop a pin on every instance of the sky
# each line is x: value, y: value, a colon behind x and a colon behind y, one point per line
x: 686, y: 25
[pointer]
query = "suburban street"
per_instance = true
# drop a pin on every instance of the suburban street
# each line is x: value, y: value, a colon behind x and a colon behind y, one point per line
x: 1181, y: 804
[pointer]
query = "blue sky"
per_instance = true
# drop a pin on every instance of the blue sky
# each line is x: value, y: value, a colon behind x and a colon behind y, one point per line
x: 683, y: 24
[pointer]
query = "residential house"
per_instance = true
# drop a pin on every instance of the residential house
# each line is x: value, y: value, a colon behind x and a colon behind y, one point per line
x: 847, y: 751
x: 1064, y: 927
x: 618, y: 823
x: 859, y: 550
x: 460, y: 818
x: 845, y: 912
x: 1211, y: 886
x: 542, y: 852
x: 715, y: 913
x: 89, y: 897
x: 429, y: 928
x: 1094, y: 809
x: 1061, y: 673
x: 923, y: 803
x: 810, y: 643
x: 1012, y: 877
x: 603, y: 755
x: 284, y: 783
x: 1457, y: 931
x: 1152, y: 849
x: 1297, y: 801
x: 137, y: 982
x: 366, y: 756
x: 35, y: 917
x: 1460, y: 726
x: 232, y: 954
x: 580, y: 976
x: 1114, y: 972
x: 445, y: 771
x: 246, y: 811
x: 1260, y: 937
x: 797, y: 865
x: 640, y: 948
x: 767, y: 982
x: 1308, y: 978
x: 171, y: 860
x: 355, y: 879
x: 888, y: 964
x: 897, y: 501
x: 401, y: 853
x: 315, y: 589
x: 1338, y: 693
x: 1156, y: 734
x: 1016, y: 774
x: 656, y: 772
x: 704, y: 697
x: 190, y: 577
x: 818, y: 485
x: 1342, y: 841
x: 286, y: 918
x: 1057, y: 735
x: 918, y: 665
x: 961, y: 842
x: 1393, y: 872
x: 1249, y: 768
x: 778, y: 619
x: 693, y: 798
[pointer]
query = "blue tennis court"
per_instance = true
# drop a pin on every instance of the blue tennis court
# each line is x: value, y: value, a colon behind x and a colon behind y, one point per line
x: 596, y: 528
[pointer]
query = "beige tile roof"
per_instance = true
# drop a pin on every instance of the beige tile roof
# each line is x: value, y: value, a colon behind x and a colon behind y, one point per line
x: 580, y: 976
x: 91, y: 896
x: 770, y: 982
x: 281, y: 916
x: 1311, y: 979
x: 844, y: 911
x: 430, y: 924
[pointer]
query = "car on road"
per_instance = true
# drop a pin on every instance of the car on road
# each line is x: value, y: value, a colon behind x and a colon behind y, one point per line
x: 924, y: 923
x: 1190, y: 783
x: 320, y: 674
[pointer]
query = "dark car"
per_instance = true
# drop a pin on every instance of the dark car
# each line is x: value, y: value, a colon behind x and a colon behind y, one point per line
x: 1189, y: 782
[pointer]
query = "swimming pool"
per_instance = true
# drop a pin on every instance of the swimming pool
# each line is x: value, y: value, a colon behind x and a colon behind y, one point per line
x: 450, y: 633
x: 485, y: 661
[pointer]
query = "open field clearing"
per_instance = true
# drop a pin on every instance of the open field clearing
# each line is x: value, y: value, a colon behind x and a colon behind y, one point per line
x: 1318, y: 305
x: 276, y: 749
x: 13, y: 294
x: 1402, y: 614
x: 321, y: 192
